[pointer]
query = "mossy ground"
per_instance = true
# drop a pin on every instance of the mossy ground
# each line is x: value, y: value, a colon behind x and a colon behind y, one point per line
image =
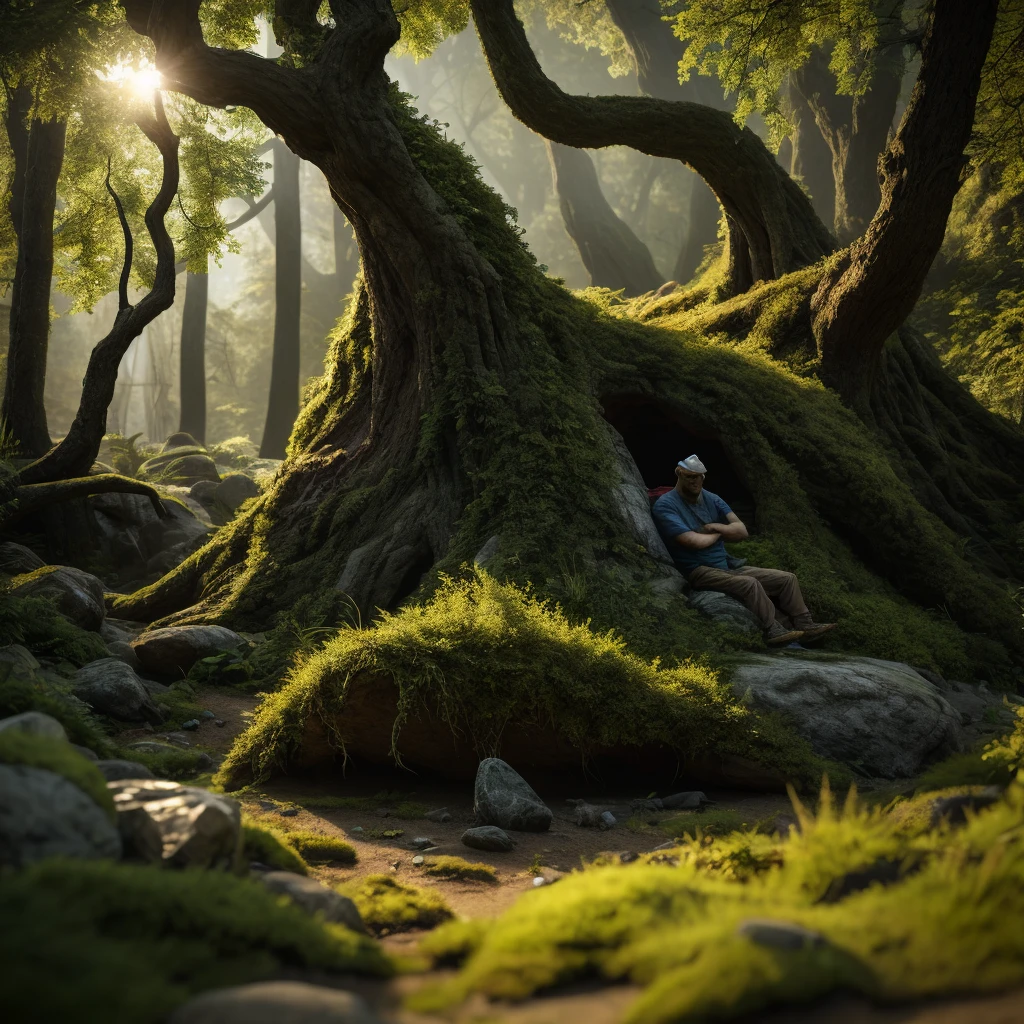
x: 100, y: 943
x: 388, y: 906
x: 458, y: 868
x: 504, y: 655
x: 317, y: 848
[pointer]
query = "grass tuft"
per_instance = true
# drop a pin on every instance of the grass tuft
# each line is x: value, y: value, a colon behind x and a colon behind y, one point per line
x: 463, y: 870
x: 314, y: 847
x: 388, y: 906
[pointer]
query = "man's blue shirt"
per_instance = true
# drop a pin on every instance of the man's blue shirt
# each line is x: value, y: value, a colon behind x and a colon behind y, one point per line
x: 674, y: 515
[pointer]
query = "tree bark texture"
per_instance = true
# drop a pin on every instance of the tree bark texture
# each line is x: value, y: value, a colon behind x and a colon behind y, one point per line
x: 192, y: 418
x: 868, y: 292
x: 283, y: 400
x: 74, y: 455
x: 39, y: 147
x: 774, y: 219
x: 856, y: 130
x: 614, y: 257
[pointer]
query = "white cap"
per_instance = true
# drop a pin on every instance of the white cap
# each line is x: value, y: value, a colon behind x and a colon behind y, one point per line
x: 692, y: 464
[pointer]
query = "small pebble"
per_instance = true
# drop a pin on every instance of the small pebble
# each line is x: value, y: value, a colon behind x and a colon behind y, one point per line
x: 538, y: 882
x: 207, y: 714
x: 356, y: 828
x: 192, y: 724
x: 219, y: 722
x: 607, y: 820
x: 288, y: 812
x: 421, y: 843
x: 418, y: 860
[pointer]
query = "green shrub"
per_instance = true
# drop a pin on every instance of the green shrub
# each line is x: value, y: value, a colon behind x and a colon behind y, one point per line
x: 22, y: 693
x: 56, y: 756
x: 271, y: 846
x: 315, y: 847
x: 463, y: 870
x: 102, y: 943
x: 387, y: 906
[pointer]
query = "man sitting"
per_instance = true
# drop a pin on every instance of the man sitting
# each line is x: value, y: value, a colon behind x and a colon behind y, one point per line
x: 695, y: 524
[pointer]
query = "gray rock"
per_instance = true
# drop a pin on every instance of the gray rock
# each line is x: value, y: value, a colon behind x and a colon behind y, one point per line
x: 441, y: 815
x: 18, y: 661
x: 503, y: 797
x: 235, y: 489
x: 196, y: 828
x: 35, y: 723
x: 588, y: 816
x: 724, y: 610
x: 89, y: 755
x: 690, y: 801
x: 123, y: 652
x: 16, y: 559
x: 78, y: 595
x: 421, y: 843
x: 954, y: 809
x: 120, y: 630
x: 153, y: 747
x: 879, y: 716
x: 43, y: 815
x: 173, y: 650
x: 180, y: 439
x: 779, y: 934
x: 203, y: 491
x: 113, y: 689
x: 607, y: 820
x: 114, y: 771
x: 275, y: 1002
x: 315, y: 898
x: 184, y: 466
x: 488, y: 837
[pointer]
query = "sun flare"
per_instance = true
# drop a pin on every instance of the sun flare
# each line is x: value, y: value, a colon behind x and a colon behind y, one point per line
x: 141, y: 81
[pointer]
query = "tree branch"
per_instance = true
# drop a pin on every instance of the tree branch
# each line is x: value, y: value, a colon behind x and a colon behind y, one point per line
x: 126, y: 267
x: 32, y: 497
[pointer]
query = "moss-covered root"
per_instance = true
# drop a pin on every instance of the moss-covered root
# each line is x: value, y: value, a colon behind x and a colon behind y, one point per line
x: 389, y: 906
x: 729, y: 926
x: 99, y: 943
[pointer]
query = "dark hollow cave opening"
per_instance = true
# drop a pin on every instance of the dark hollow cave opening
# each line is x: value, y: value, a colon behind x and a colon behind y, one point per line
x: 658, y: 436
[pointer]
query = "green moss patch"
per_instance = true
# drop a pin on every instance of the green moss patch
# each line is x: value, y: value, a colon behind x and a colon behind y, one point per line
x: 488, y: 654
x: 56, y: 756
x: 460, y: 870
x: 388, y: 906
x: 271, y: 846
x: 904, y: 914
x: 314, y: 847
x: 117, y: 944
x: 36, y: 623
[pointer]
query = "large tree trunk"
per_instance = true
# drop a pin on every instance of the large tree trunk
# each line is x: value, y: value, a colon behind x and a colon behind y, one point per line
x: 810, y: 159
x: 38, y: 150
x: 613, y: 255
x: 192, y: 418
x: 856, y: 130
x: 283, y: 400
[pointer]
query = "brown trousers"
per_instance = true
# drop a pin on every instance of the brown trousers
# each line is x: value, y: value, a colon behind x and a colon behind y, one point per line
x: 755, y: 588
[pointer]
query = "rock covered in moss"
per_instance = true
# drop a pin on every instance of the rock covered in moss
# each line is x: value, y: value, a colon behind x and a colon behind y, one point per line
x: 881, y: 716
x: 724, y: 610
x: 177, y: 826
x: 180, y: 439
x: 112, y: 688
x: 314, y: 897
x: 16, y: 559
x: 275, y: 1002
x: 184, y: 466
x: 173, y: 650
x: 78, y: 595
x: 114, y: 770
x: 43, y: 814
x: 35, y: 723
x: 234, y: 489
x: 504, y: 798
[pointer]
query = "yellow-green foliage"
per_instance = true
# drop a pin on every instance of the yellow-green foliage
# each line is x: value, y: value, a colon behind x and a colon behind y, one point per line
x: 463, y: 870
x: 117, y: 944
x: 1009, y: 750
x: 315, y: 847
x: 270, y: 846
x: 387, y: 906
x: 904, y: 915
x: 490, y: 653
x: 56, y: 756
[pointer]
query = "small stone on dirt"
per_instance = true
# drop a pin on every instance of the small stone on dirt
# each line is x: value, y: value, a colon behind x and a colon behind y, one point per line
x: 421, y: 843
x: 488, y: 837
x: 219, y: 722
x: 192, y: 724
x: 689, y: 801
x: 418, y: 860
x: 607, y: 820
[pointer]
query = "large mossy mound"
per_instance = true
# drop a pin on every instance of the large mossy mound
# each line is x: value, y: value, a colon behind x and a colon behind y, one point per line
x: 899, y: 913
x: 100, y: 943
x: 485, y: 668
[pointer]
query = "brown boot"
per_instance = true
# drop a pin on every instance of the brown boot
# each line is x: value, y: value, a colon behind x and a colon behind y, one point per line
x: 777, y: 634
x: 815, y: 630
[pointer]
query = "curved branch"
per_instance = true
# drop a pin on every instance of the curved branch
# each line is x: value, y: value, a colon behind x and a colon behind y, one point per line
x: 77, y: 451
x: 867, y: 294
x: 32, y: 497
x: 776, y: 219
x: 126, y: 267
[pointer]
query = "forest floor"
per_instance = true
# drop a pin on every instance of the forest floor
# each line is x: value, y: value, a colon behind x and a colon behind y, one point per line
x: 382, y: 800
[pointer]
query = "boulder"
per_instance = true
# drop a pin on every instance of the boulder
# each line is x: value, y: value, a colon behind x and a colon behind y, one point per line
x: 113, y: 689
x: 234, y: 489
x: 879, y: 716
x: 16, y: 559
x: 43, y: 815
x: 17, y: 660
x: 181, y: 439
x: 124, y: 653
x: 314, y: 897
x: 115, y: 771
x: 183, y: 466
x: 78, y: 595
x: 724, y: 610
x: 35, y: 723
x: 275, y: 1002
x: 503, y: 797
x: 120, y: 630
x: 488, y: 837
x: 177, y: 826
x: 173, y: 650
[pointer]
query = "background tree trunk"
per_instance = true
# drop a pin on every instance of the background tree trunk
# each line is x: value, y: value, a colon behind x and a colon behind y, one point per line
x: 192, y: 419
x: 283, y: 400
x: 614, y: 257
x: 810, y: 159
x: 40, y: 149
